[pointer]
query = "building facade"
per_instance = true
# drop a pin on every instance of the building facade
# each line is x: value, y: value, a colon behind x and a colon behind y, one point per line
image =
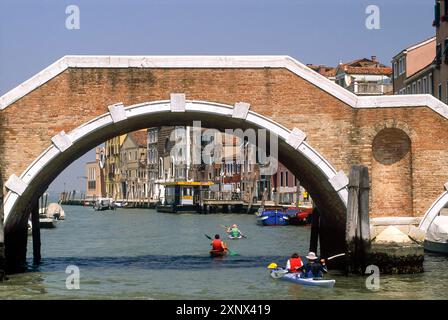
x: 95, y: 176
x: 441, y: 54
x: 413, y: 68
x: 153, y: 162
x: 112, y: 167
x: 365, y: 77
x: 133, y: 166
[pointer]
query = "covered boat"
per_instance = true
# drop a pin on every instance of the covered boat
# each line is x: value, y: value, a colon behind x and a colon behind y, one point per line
x: 273, y: 217
x: 437, y: 235
x: 182, y: 196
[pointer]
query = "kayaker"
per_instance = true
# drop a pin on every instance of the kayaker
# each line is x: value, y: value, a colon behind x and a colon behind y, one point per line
x: 313, y: 268
x: 294, y: 263
x: 218, y: 245
x: 234, y: 232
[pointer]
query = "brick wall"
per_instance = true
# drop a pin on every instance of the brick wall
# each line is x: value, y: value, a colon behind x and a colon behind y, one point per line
x: 343, y: 135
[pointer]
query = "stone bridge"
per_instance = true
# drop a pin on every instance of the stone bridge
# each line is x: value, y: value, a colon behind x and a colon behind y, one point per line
x: 78, y: 102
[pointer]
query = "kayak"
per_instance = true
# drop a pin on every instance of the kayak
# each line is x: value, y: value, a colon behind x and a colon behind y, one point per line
x: 216, y: 253
x: 295, y: 277
x: 235, y: 238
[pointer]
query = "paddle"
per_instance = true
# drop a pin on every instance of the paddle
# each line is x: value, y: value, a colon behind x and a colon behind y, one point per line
x: 335, y: 256
x: 232, y: 253
x: 227, y: 228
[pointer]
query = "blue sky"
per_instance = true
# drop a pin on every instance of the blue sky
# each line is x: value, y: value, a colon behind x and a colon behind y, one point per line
x: 33, y: 34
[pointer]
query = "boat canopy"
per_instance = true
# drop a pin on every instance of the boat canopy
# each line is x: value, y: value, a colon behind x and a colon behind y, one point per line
x: 438, y: 230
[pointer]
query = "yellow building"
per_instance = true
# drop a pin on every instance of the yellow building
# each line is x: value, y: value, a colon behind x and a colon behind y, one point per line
x: 114, y: 188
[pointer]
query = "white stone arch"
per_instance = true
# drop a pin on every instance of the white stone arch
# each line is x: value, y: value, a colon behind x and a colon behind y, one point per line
x: 19, y: 187
x: 434, y: 210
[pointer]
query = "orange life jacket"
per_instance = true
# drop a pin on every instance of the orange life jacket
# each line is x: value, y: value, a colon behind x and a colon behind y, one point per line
x: 295, y: 263
x: 217, y: 245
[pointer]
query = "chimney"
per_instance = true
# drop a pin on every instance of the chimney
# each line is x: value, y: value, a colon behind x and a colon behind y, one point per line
x: 373, y: 58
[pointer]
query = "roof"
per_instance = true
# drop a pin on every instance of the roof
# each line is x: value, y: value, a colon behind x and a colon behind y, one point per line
x: 139, y: 137
x: 365, y: 66
x: 326, y: 71
x: 415, y: 46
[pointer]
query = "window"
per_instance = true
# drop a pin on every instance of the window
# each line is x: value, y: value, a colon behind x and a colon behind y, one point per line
x: 419, y: 86
x: 437, y: 14
x: 286, y: 179
x: 281, y: 179
x: 414, y: 88
x: 92, y: 185
x: 446, y: 97
x: 401, y: 66
x: 395, y: 70
x: 425, y: 85
x: 439, y: 54
x: 445, y: 51
x: 440, y: 91
x: 430, y: 84
x: 408, y: 90
x: 161, y: 168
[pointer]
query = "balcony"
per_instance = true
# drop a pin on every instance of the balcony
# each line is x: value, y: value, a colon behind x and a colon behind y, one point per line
x: 370, y: 88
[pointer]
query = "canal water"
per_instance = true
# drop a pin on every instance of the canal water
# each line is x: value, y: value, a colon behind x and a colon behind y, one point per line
x: 142, y: 254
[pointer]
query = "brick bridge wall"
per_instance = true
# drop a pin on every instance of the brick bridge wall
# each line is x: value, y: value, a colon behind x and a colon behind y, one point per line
x: 406, y: 162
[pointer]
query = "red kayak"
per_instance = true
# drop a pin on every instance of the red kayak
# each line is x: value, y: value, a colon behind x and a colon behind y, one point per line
x: 217, y: 253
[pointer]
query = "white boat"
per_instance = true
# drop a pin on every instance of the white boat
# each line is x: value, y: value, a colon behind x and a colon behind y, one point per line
x: 102, y: 204
x: 437, y: 236
x: 47, y: 223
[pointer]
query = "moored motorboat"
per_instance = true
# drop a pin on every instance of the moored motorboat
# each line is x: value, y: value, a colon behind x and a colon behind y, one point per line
x: 436, y: 240
x: 273, y: 217
x: 47, y: 223
x: 283, y: 274
x: 102, y: 204
x: 299, y: 215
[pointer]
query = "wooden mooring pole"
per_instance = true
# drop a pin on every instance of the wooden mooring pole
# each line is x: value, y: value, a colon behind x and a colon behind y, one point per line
x: 2, y: 235
x: 357, y: 234
x: 36, y: 233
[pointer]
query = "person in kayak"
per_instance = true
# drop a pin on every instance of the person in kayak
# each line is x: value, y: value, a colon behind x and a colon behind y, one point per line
x: 234, y: 232
x: 218, y: 245
x: 294, y: 263
x: 313, y: 268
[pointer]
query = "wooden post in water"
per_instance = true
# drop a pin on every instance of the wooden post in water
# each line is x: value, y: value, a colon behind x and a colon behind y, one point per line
x: 2, y: 235
x: 358, y: 224
x: 351, y: 231
x: 364, y: 219
x: 36, y: 233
